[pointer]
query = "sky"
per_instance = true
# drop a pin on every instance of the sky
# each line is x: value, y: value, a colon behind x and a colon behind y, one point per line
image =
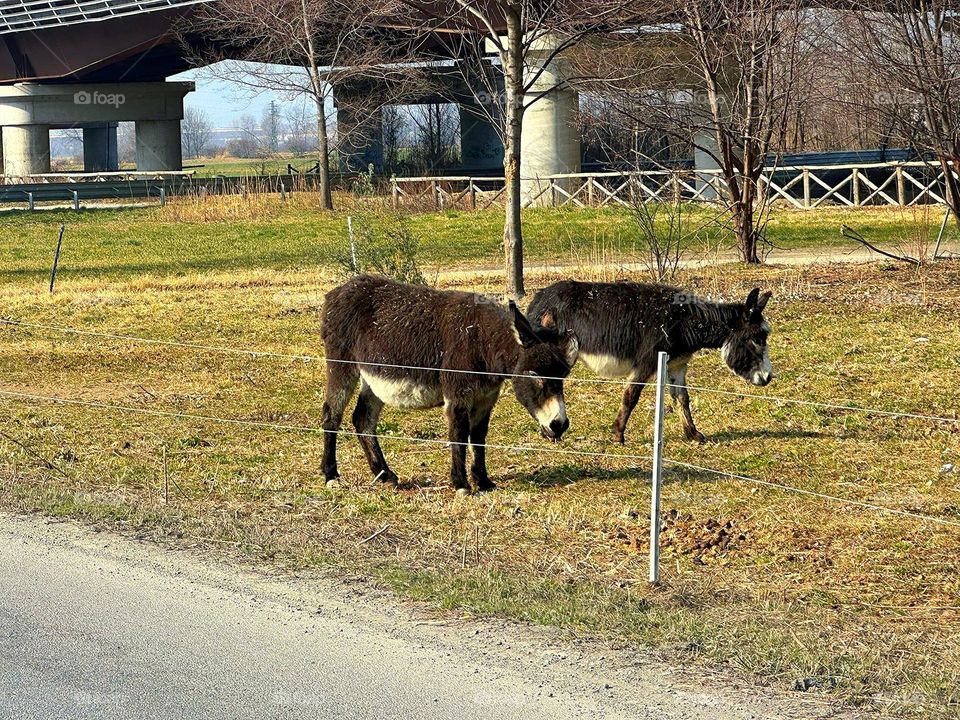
x: 224, y: 102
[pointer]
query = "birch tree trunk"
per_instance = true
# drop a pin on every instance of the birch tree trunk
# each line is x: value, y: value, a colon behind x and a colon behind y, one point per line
x: 513, y: 107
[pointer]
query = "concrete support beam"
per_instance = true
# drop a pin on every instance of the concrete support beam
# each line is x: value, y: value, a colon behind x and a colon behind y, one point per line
x: 100, y: 148
x: 359, y: 137
x: 26, y: 149
x: 158, y: 145
x: 550, y: 139
x: 481, y: 147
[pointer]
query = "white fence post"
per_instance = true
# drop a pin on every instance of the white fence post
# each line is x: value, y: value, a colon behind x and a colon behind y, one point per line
x: 657, y: 469
x: 353, y: 244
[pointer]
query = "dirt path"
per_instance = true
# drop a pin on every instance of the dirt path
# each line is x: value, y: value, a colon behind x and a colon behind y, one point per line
x: 804, y: 256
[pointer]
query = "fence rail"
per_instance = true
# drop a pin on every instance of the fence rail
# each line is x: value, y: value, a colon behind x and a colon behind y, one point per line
x: 808, y: 187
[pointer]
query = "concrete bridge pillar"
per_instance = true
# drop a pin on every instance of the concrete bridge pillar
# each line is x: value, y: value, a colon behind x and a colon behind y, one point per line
x: 550, y: 139
x: 481, y: 147
x: 359, y: 136
x: 26, y: 149
x: 158, y: 145
x: 705, y: 143
x: 100, y: 148
x: 28, y: 111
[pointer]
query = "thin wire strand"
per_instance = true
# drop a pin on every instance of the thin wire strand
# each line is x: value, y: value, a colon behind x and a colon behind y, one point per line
x: 303, y: 428
x: 829, y: 406
x: 813, y: 493
x: 512, y: 448
x: 603, y: 381
x: 286, y: 356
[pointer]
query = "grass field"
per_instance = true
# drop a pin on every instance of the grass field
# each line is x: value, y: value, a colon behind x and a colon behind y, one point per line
x: 264, y: 233
x: 786, y: 587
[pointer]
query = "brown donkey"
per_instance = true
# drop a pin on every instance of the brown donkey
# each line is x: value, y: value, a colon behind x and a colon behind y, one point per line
x: 415, y: 347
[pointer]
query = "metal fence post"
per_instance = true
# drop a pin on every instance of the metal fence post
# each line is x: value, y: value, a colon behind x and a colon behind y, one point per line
x: 657, y: 471
x: 76, y: 201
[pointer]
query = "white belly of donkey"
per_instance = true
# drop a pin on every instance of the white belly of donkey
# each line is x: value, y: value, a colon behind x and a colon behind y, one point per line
x: 607, y: 366
x: 403, y: 393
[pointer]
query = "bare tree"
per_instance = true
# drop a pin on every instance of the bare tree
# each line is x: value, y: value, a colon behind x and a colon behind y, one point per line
x: 394, y: 125
x: 126, y: 142
x: 270, y: 128
x: 435, y: 130
x: 300, y: 49
x: 912, y: 50
x: 737, y: 60
x: 527, y: 38
x: 301, y: 131
x: 196, y: 131
x: 249, y: 144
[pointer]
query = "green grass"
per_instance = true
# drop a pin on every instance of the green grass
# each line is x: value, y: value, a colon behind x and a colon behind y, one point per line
x: 262, y: 233
x: 208, y: 167
x: 813, y: 590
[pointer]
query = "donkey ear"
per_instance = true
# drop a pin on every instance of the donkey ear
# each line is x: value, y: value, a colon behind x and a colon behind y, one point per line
x: 764, y: 299
x: 525, y: 333
x: 751, y: 304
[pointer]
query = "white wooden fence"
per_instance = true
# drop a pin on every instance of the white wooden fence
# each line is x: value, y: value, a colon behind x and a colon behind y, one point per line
x: 807, y: 187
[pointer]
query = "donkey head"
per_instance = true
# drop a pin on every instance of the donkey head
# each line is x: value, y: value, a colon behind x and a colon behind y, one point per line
x: 545, y: 359
x: 745, y: 350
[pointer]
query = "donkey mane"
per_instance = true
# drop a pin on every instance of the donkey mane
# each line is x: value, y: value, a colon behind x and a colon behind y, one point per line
x: 705, y: 324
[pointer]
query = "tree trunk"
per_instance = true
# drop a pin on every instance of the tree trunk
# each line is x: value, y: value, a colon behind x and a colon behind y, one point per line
x: 323, y: 164
x: 746, y: 233
x: 512, y: 227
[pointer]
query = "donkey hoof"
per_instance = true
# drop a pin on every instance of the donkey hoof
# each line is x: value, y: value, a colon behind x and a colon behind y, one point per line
x: 485, y: 487
x: 463, y: 492
x: 617, y: 437
x: 697, y: 437
x: 388, y: 477
x: 333, y: 483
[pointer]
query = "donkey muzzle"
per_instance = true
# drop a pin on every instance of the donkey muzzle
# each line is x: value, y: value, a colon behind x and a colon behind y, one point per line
x: 555, y: 430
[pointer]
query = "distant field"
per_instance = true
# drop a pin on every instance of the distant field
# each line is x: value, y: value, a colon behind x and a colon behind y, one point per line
x: 863, y: 605
x: 245, y: 166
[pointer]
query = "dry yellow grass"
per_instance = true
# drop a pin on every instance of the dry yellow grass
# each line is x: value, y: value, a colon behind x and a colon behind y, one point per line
x: 803, y: 589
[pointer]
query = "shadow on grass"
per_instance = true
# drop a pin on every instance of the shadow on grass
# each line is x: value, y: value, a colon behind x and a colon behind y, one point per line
x: 560, y: 475
x: 759, y: 433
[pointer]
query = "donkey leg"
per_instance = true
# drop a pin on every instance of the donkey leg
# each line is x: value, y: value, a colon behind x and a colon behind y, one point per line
x: 479, y: 425
x: 341, y: 382
x: 631, y: 395
x: 458, y: 433
x: 365, y: 418
x: 678, y: 391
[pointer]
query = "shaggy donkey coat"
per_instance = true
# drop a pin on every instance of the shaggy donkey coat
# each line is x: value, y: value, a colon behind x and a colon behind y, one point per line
x: 621, y: 328
x: 414, y: 347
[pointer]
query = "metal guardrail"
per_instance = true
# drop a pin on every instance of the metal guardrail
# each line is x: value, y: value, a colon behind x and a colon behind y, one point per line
x: 159, y: 188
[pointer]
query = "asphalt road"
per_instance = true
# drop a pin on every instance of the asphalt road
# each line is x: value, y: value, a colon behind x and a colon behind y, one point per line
x: 97, y: 626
